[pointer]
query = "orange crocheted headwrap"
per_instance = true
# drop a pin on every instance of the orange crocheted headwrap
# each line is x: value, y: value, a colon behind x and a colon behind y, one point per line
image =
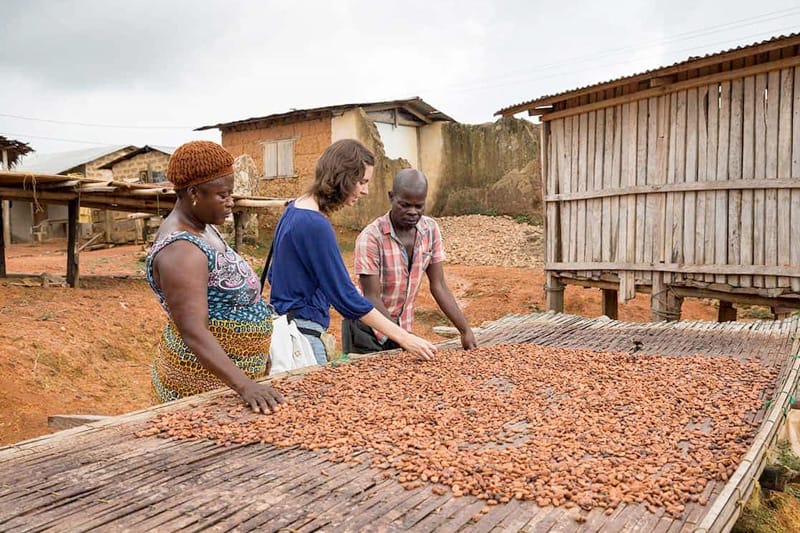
x: 198, y: 162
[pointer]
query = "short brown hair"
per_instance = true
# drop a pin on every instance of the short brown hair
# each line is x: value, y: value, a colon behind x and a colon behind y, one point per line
x: 341, y: 166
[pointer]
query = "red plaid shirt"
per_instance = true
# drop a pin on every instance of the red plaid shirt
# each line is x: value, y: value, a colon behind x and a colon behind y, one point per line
x: 379, y: 252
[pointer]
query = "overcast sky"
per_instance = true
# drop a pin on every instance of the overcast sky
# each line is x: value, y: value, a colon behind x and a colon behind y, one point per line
x: 161, y: 68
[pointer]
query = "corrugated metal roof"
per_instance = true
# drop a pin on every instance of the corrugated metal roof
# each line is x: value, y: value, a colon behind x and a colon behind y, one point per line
x: 143, y: 150
x: 647, y: 73
x: 56, y: 163
x: 416, y: 104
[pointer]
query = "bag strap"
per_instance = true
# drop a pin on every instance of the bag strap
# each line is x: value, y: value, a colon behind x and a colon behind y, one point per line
x: 271, y: 250
x: 267, y: 263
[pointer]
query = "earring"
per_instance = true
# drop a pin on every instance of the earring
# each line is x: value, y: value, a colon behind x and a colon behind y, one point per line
x: 194, y: 203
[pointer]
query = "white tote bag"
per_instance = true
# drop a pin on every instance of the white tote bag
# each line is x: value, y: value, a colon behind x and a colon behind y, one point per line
x: 289, y: 349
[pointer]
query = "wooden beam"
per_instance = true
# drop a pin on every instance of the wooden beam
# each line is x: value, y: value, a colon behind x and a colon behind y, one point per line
x: 728, y: 75
x: 730, y: 270
x: 554, y: 290
x: 66, y: 184
x: 598, y: 283
x: 108, y: 225
x: 72, y: 240
x: 420, y: 116
x: 609, y: 303
x: 5, y: 212
x: 259, y: 203
x: 753, y: 297
x: 3, y: 209
x: 726, y: 312
x: 665, y: 304
x: 733, y: 297
x: 680, y: 186
x: 238, y: 230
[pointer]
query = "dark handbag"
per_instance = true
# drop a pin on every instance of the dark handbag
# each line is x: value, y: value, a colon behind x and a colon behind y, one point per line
x: 358, y: 337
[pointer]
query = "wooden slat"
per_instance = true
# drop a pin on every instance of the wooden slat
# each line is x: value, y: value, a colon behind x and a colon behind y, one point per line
x: 565, y: 184
x: 771, y: 200
x: 627, y: 168
x: 608, y: 154
x: 552, y: 133
x: 759, y: 172
x: 642, y: 140
x: 702, y: 149
x: 690, y: 198
x: 662, y: 156
x: 582, y: 184
x: 616, y: 169
x: 547, y: 161
x: 711, y: 175
x: 748, y: 173
x: 681, y: 268
x: 734, y: 214
x: 785, y: 168
x: 653, y: 215
x: 574, y: 178
x: 721, y: 200
x: 679, y: 177
x: 682, y: 187
x: 795, y: 195
x: 597, y: 184
x: 669, y: 228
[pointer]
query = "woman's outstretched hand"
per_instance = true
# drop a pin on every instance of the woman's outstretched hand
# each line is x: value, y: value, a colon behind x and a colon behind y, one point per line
x: 418, y: 346
x: 261, y: 397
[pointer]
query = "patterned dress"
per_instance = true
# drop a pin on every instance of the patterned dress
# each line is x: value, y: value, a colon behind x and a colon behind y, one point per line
x: 237, y: 316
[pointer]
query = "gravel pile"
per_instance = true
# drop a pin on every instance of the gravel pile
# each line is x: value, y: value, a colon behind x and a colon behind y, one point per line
x: 556, y: 426
x: 491, y: 240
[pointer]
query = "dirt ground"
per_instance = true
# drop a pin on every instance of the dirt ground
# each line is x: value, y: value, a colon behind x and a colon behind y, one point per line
x: 88, y: 350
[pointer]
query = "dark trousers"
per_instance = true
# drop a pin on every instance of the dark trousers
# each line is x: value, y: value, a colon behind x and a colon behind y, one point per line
x: 358, y: 337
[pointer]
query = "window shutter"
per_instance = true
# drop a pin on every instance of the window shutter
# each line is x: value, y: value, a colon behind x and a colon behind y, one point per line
x: 270, y: 160
x: 286, y: 158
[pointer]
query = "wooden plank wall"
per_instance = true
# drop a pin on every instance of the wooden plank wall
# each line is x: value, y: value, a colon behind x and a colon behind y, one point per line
x: 732, y: 131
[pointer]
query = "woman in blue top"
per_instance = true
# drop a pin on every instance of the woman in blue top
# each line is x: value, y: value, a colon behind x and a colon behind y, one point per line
x: 307, y: 275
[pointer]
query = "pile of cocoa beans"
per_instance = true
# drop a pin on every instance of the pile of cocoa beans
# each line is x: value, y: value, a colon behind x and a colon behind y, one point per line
x: 555, y: 426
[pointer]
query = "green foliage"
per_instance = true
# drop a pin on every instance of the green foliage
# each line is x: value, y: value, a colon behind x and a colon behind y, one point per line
x: 786, y: 457
x: 478, y: 210
x: 341, y: 360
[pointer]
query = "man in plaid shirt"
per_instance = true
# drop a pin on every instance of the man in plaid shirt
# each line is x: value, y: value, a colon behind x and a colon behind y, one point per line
x: 391, y: 256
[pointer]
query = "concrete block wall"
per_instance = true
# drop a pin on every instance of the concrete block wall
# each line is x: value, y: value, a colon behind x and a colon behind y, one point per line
x: 132, y: 168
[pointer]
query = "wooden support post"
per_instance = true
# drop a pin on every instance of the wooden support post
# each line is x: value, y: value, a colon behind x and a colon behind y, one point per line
x: 554, y: 290
x: 239, y: 219
x: 727, y: 312
x: 3, y: 239
x: 665, y: 304
x: 610, y: 304
x: 109, y: 224
x: 6, y: 208
x: 72, y: 241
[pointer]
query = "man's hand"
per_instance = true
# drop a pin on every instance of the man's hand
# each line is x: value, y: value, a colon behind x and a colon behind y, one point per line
x: 261, y: 397
x: 468, y: 340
